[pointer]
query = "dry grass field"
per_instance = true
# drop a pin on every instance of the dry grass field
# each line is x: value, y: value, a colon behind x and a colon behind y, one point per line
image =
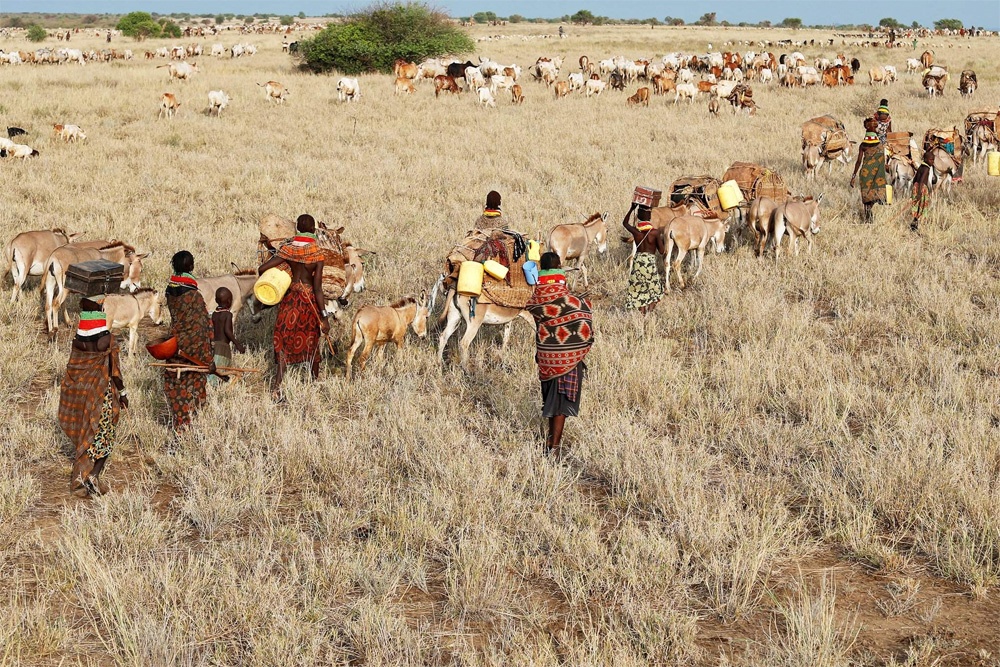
x: 792, y: 464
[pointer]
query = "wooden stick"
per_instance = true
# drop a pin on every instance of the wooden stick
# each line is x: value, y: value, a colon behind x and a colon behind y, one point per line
x: 185, y: 367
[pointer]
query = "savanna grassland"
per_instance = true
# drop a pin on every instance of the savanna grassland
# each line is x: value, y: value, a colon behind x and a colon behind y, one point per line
x: 791, y: 463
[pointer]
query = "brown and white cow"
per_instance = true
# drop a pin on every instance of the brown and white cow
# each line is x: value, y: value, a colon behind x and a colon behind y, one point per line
x: 447, y: 84
x: 404, y: 85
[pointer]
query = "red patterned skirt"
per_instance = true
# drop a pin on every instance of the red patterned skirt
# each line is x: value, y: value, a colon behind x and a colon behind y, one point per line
x: 296, y: 329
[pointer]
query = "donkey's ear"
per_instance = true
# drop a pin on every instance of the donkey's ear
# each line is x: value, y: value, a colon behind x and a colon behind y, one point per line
x: 423, y: 296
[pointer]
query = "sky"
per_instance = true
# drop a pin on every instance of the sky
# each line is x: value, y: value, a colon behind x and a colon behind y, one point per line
x: 985, y: 13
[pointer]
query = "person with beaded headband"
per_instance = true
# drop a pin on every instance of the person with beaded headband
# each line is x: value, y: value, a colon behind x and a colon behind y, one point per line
x: 883, y: 121
x: 191, y: 325
x: 870, y: 166
x: 302, y: 312
x: 91, y: 397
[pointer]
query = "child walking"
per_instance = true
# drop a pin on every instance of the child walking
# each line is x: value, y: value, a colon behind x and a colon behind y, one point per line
x: 224, y: 340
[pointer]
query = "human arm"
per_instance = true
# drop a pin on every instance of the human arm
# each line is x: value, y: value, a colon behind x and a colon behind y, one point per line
x: 269, y: 264
x: 661, y: 245
x: 320, y: 297
x: 626, y: 221
x: 857, y: 165
x: 231, y: 335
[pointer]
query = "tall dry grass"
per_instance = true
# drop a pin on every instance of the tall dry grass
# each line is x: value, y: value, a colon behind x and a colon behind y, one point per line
x: 843, y: 401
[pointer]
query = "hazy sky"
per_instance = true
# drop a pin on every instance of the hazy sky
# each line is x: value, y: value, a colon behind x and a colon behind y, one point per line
x: 972, y: 12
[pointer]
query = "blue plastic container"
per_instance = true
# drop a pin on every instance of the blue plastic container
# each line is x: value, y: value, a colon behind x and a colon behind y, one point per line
x: 531, y: 272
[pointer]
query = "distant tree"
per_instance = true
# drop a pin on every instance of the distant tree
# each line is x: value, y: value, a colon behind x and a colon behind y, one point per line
x: 248, y: 20
x: 287, y: 20
x: 890, y: 22
x: 373, y: 39
x: 90, y: 19
x: 948, y: 24
x: 915, y: 25
x: 139, y: 26
x: 484, y: 17
x: 652, y: 21
x: 15, y: 22
x: 792, y: 23
x: 764, y: 24
x: 676, y: 21
x: 36, y: 33
x: 171, y: 29
x: 583, y: 16
x: 206, y: 21
x: 516, y: 18
x: 220, y: 19
x: 708, y: 18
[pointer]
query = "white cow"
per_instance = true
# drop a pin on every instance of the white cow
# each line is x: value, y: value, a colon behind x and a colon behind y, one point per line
x: 499, y: 81
x: 348, y: 90
x: 576, y: 81
x: 218, y: 50
x: 181, y: 71
x: 765, y: 75
x: 19, y: 151
x: 913, y: 65
x: 474, y: 78
x: 217, y: 101
x: 595, y: 87
x: 486, y: 98
x: 686, y: 90
x: 71, y: 133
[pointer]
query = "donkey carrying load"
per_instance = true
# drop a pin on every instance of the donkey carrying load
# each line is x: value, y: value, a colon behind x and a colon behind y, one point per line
x: 501, y: 301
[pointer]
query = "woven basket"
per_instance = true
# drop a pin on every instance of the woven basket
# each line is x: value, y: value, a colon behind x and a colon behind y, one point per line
x: 512, y: 295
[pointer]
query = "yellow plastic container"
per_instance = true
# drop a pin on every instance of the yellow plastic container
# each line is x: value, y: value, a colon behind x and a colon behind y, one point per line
x: 270, y: 288
x: 888, y: 195
x: 495, y: 269
x: 730, y: 195
x: 993, y: 163
x: 534, y: 251
x: 470, y: 279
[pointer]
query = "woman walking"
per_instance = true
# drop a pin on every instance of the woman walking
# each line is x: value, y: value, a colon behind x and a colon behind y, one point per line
x: 189, y: 322
x: 91, y: 398
x: 871, y: 168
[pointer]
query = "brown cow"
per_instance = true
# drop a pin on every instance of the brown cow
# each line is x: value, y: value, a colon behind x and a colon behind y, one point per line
x: 404, y: 69
x: 168, y: 105
x: 447, y: 84
x: 404, y: 85
x: 562, y: 89
x: 641, y: 97
x: 516, y: 95
x: 705, y: 86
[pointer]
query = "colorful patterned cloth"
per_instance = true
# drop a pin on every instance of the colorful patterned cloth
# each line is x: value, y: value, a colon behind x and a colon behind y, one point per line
x: 871, y: 175
x: 882, y: 126
x: 564, y: 331
x: 644, y: 283
x: 89, y: 408
x: 296, y: 328
x: 301, y: 249
x: 190, y: 323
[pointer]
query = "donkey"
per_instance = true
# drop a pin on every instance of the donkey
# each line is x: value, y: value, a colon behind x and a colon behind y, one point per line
x: 63, y: 256
x: 759, y: 222
x: 28, y: 251
x: 572, y: 241
x: 798, y: 219
x: 381, y: 325
x: 127, y: 310
x: 812, y: 160
x: 944, y: 170
x: 900, y: 172
x: 239, y: 283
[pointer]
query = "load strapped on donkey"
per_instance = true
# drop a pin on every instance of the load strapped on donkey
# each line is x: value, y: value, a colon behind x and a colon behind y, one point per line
x: 757, y: 181
x: 981, y: 132
x: 950, y: 141
x: 829, y: 134
x: 337, y: 283
x: 502, y: 252
x: 700, y: 192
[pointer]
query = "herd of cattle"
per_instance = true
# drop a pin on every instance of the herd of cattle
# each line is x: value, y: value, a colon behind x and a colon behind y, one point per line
x: 719, y: 75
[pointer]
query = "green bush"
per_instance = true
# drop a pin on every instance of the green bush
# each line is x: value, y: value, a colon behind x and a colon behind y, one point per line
x: 171, y: 29
x: 139, y: 25
x: 36, y: 33
x: 287, y: 20
x: 370, y: 41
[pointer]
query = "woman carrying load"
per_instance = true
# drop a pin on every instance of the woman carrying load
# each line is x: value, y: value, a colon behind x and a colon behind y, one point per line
x: 871, y: 168
x: 191, y: 325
